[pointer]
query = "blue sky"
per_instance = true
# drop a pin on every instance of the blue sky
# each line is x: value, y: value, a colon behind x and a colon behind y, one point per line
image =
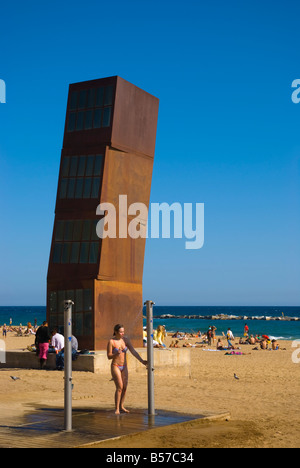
x: 228, y: 136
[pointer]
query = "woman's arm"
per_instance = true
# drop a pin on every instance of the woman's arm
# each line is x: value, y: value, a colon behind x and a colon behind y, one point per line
x: 110, y: 354
x: 134, y: 352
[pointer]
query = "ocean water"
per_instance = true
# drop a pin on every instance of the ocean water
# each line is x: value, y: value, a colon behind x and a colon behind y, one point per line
x: 22, y: 315
x: 286, y: 330
x: 279, y: 329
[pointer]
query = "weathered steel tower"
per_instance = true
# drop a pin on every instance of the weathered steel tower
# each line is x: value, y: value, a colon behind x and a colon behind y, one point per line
x: 108, y: 150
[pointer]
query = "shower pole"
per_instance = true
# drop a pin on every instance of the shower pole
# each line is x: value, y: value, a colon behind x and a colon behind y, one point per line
x: 150, y: 357
x: 68, y: 365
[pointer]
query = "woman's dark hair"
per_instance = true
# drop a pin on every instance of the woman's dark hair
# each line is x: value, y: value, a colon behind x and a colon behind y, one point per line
x: 117, y: 328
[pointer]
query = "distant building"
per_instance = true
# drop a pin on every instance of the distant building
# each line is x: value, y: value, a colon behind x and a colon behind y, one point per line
x: 108, y: 150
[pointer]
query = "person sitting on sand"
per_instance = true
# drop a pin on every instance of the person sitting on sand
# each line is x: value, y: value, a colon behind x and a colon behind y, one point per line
x: 29, y: 330
x: 57, y: 346
x: 220, y: 346
x: 204, y: 338
x: 275, y: 346
x: 263, y: 344
x: 252, y: 340
x: 242, y: 342
x: 174, y: 344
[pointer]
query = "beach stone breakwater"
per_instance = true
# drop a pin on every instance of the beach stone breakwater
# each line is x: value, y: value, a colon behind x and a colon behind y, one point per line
x: 226, y: 317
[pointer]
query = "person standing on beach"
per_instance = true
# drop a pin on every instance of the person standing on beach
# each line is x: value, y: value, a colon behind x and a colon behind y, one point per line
x: 209, y: 336
x: 117, y: 348
x: 213, y: 332
x: 42, y: 340
x: 229, y: 337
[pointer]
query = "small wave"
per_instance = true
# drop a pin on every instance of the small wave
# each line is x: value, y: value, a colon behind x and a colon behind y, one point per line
x: 277, y: 338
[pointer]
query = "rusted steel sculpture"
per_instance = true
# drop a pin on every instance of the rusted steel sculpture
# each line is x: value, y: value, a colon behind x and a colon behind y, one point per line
x: 108, y: 151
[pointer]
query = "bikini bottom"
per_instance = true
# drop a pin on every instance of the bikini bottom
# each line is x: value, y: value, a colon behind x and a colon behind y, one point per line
x: 121, y: 368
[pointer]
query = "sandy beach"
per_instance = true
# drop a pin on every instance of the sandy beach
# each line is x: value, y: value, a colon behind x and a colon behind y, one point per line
x: 264, y: 402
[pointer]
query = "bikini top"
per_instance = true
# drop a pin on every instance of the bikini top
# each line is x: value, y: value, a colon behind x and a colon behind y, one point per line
x: 116, y: 350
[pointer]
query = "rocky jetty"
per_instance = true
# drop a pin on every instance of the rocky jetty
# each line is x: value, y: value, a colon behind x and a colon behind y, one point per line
x: 226, y: 317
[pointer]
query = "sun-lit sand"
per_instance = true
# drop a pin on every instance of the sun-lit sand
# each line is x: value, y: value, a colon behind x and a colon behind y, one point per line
x: 264, y: 403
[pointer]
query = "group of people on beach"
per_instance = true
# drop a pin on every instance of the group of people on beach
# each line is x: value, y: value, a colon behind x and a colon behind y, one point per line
x: 20, y: 330
x: 263, y: 342
x: 209, y: 339
x: 47, y: 341
x: 159, y: 336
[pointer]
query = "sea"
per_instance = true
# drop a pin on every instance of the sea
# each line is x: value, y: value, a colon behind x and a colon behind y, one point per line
x: 259, y: 319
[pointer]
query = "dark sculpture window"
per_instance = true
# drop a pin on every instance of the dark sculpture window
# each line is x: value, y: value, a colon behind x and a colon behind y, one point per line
x: 76, y: 241
x: 81, y: 176
x: 90, y: 108
x: 82, y: 310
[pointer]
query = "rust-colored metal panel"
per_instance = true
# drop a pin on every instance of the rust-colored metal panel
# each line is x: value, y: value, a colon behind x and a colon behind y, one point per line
x: 108, y: 151
x: 135, y: 119
x: 127, y: 175
x: 118, y: 302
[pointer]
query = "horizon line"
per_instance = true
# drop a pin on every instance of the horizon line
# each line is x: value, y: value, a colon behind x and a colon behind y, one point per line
x: 181, y: 305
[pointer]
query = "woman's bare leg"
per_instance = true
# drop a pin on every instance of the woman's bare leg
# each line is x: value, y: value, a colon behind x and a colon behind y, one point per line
x: 117, y: 376
x: 125, y: 384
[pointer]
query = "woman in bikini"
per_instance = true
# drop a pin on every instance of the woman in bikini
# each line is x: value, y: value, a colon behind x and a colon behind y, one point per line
x: 116, y: 351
